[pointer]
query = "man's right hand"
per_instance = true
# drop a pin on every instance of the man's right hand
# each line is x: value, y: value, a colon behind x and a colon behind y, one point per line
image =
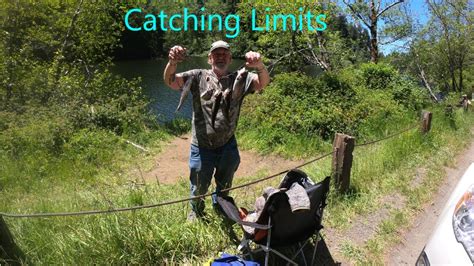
x: 177, y: 54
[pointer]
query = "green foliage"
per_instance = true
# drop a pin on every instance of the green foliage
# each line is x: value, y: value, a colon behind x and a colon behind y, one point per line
x: 161, y: 235
x: 57, y: 55
x: 64, y: 119
x: 340, y: 45
x: 33, y: 132
x: 297, y: 104
x: 385, y: 77
x: 106, y: 101
x: 376, y: 76
x: 407, y: 92
x: 375, y: 113
x: 364, y: 103
x: 178, y: 126
x: 62, y: 112
x: 442, y: 47
x: 93, y: 147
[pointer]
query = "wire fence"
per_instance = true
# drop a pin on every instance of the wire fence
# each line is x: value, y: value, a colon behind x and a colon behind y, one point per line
x: 387, y: 137
x: 114, y: 210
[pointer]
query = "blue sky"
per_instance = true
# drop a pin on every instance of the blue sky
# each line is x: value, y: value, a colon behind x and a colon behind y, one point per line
x: 419, y: 11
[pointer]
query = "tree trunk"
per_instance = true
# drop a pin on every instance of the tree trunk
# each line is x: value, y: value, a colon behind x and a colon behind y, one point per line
x: 374, y: 49
x: 322, y: 50
x: 453, y: 75
x: 462, y: 57
x: 60, y: 52
x: 425, y: 82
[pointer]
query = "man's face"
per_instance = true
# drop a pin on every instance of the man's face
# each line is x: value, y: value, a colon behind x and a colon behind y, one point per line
x: 220, y: 58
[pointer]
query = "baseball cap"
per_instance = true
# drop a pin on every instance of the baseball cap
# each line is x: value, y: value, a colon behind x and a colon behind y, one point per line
x: 219, y: 44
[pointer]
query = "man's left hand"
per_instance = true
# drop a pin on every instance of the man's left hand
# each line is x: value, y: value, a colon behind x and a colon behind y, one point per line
x: 253, y: 60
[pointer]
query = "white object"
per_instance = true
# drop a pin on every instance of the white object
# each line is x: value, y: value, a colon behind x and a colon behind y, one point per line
x: 443, y: 248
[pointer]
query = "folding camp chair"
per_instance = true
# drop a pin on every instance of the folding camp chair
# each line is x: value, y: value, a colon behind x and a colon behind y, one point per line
x: 277, y: 226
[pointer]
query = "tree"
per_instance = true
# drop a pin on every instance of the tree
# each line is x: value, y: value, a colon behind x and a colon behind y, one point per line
x: 452, y: 24
x: 370, y: 13
x: 339, y: 45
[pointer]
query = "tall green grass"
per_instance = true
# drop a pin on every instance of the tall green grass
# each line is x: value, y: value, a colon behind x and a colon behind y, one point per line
x: 103, y: 180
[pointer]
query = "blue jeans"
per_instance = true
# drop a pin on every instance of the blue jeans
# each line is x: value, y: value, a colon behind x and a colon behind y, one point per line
x: 202, y: 163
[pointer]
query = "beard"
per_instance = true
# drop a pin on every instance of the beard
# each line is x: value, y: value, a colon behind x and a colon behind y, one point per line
x: 221, y: 66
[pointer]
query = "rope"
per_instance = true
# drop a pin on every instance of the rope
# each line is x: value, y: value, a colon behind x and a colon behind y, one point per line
x: 113, y: 210
x: 275, y: 175
x: 56, y: 214
x: 389, y: 136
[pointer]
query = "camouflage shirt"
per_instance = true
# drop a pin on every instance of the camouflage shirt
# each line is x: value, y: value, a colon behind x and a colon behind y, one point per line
x: 214, y: 95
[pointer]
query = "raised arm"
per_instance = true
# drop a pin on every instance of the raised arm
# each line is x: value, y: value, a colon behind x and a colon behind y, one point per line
x: 254, y: 60
x: 175, y: 56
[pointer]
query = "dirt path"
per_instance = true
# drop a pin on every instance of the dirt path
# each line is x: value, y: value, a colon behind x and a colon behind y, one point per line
x: 172, y: 164
x: 414, y: 239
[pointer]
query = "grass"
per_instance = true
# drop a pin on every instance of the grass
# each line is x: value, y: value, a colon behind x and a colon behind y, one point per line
x: 392, y: 171
x: 162, y: 235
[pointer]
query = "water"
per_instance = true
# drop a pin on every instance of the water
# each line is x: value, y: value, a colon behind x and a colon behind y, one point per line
x: 163, y: 100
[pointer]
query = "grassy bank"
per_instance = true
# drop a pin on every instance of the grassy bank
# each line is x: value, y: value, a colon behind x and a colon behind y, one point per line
x: 162, y: 235
x: 66, y: 124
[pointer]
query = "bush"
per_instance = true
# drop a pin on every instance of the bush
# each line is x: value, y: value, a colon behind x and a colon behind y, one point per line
x: 402, y: 88
x: 375, y: 112
x: 96, y: 147
x: 297, y: 104
x: 405, y: 91
x: 32, y: 132
x: 377, y: 76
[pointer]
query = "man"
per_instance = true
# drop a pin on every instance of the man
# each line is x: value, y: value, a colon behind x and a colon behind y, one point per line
x: 216, y: 108
x: 465, y: 102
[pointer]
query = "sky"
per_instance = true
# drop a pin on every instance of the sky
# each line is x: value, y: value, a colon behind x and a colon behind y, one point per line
x: 419, y: 11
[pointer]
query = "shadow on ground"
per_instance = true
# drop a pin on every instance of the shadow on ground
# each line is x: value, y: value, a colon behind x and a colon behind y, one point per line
x: 323, y: 256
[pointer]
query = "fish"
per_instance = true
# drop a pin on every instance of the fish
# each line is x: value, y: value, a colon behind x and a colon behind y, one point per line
x: 215, y: 106
x: 239, y: 83
x: 227, y: 96
x: 184, y: 92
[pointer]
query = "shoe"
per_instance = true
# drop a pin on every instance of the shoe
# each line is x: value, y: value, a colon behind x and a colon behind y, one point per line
x: 192, y: 217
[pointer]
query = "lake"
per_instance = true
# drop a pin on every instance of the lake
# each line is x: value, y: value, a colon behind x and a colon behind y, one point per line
x: 163, y: 100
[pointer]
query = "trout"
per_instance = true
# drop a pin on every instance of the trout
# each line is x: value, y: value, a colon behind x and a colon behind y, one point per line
x: 239, y: 84
x: 184, y: 92
x: 215, y: 106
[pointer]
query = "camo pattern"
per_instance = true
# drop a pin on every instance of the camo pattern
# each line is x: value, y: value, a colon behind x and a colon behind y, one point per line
x: 206, y: 88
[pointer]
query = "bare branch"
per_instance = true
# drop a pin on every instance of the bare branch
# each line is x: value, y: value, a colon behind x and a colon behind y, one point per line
x: 389, y: 6
x: 356, y: 13
x: 318, y: 60
x: 423, y: 77
x: 272, y: 65
x: 378, y: 6
x: 71, y: 26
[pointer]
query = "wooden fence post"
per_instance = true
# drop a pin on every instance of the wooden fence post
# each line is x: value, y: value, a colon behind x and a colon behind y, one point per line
x: 9, y: 251
x: 426, y: 121
x: 343, y: 147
